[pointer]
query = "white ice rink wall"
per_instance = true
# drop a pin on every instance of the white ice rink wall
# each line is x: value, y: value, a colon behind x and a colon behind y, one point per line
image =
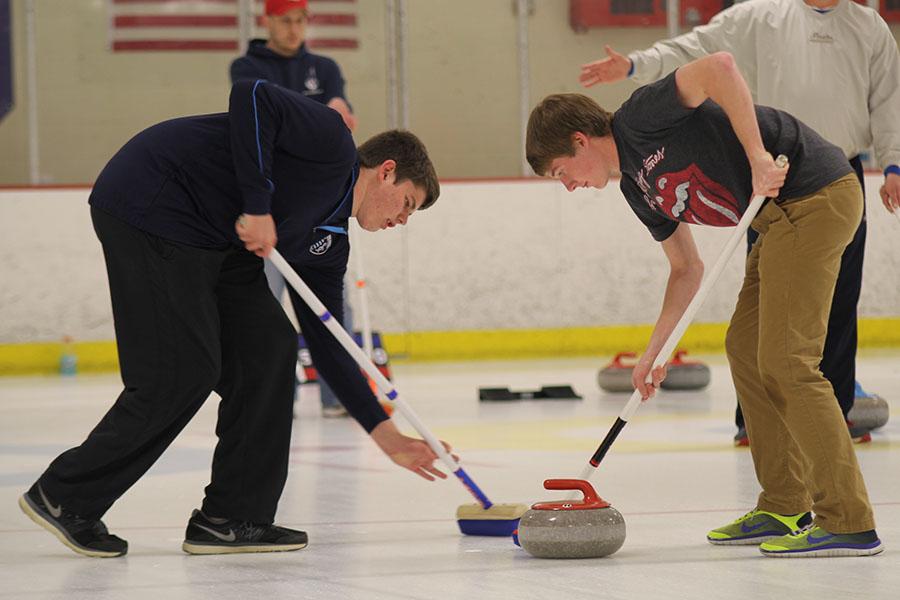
x: 519, y: 254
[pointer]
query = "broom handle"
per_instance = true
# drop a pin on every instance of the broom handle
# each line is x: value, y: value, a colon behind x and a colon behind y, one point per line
x: 685, y: 320
x: 372, y: 371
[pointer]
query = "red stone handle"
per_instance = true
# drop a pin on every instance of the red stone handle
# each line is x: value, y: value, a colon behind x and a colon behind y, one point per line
x: 678, y: 359
x: 617, y: 361
x: 591, y: 499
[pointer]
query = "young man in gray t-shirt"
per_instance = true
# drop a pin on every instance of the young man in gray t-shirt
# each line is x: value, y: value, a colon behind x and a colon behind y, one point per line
x: 692, y: 148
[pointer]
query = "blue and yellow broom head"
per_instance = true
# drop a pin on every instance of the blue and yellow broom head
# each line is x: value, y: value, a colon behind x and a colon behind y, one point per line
x: 498, y: 520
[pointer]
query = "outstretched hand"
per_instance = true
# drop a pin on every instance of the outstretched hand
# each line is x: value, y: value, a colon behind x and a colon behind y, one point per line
x: 410, y: 453
x: 257, y: 232
x: 613, y: 68
x: 890, y: 192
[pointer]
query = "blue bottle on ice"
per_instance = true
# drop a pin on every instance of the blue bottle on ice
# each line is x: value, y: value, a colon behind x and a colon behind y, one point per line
x: 68, y: 360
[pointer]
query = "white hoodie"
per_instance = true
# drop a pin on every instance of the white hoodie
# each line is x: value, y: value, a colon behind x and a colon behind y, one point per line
x: 838, y: 72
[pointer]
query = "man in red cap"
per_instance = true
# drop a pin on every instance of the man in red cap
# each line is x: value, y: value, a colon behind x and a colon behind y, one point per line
x: 283, y: 59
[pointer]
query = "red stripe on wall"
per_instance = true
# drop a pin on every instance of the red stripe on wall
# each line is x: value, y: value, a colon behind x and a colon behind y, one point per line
x: 200, y: 45
x: 135, y: 21
x: 332, y: 19
x: 333, y: 43
x: 175, y: 21
x: 209, y: 1
x: 165, y: 45
x: 172, y: 1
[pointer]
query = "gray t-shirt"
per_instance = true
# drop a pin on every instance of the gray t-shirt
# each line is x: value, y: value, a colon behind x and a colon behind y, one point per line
x: 686, y: 164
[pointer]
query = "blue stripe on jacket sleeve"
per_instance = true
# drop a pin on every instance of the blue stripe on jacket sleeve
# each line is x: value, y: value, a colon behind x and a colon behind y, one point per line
x: 331, y: 228
x: 258, y: 145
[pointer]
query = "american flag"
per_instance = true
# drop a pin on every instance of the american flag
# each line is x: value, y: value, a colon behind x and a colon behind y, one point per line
x: 179, y: 25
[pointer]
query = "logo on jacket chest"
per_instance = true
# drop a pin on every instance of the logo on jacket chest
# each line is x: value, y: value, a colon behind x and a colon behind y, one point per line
x: 311, y: 83
x: 321, y: 246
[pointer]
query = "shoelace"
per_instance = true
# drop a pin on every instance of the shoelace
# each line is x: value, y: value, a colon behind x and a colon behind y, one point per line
x: 747, y: 516
x: 250, y: 530
x: 802, y: 531
x: 78, y: 523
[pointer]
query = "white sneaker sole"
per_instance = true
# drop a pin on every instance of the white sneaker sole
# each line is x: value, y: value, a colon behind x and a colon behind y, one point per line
x: 829, y: 552
x: 742, y: 542
x: 200, y: 548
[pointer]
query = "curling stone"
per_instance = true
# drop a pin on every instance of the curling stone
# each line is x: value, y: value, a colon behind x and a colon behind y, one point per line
x: 571, y: 529
x: 870, y: 411
x: 685, y: 374
x: 616, y: 376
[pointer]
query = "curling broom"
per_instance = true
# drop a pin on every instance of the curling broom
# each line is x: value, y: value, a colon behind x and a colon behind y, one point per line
x: 484, y: 518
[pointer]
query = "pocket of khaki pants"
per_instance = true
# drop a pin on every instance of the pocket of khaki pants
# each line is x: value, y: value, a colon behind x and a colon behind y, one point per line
x: 830, y: 207
x: 770, y: 216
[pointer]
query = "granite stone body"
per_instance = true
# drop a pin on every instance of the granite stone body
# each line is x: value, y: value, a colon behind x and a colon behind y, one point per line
x: 685, y: 374
x: 869, y: 412
x: 688, y: 376
x: 616, y: 376
x: 572, y: 533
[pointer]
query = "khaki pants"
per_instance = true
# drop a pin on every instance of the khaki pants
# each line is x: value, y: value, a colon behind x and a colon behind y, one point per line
x: 801, y: 448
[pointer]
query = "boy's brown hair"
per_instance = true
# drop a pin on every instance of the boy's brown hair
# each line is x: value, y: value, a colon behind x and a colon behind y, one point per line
x: 411, y: 157
x: 555, y: 120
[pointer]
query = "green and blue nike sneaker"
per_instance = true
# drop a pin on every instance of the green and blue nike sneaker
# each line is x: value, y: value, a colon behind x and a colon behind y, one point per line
x: 815, y: 541
x: 757, y: 526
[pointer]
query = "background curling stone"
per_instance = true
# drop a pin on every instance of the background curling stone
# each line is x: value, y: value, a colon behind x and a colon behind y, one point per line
x: 572, y: 529
x: 616, y: 376
x: 685, y: 374
x: 869, y: 411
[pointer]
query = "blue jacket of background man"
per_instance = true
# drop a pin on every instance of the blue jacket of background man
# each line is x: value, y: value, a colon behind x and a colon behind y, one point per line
x: 316, y: 77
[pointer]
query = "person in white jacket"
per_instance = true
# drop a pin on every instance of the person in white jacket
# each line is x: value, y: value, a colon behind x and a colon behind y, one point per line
x: 834, y: 64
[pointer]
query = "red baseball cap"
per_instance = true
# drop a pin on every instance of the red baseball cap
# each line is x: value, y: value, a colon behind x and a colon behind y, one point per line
x: 279, y: 7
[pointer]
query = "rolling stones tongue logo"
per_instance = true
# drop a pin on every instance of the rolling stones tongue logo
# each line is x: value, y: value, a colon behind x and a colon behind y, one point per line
x: 690, y: 196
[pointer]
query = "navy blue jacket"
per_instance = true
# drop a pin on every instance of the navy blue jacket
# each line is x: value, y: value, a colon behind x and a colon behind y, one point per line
x: 316, y: 77
x: 274, y: 152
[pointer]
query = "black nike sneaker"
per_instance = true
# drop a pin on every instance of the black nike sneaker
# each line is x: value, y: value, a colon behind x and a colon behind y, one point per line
x: 209, y: 535
x: 85, y: 536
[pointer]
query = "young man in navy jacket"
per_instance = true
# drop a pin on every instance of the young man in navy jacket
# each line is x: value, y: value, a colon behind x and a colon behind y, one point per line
x: 185, y: 211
